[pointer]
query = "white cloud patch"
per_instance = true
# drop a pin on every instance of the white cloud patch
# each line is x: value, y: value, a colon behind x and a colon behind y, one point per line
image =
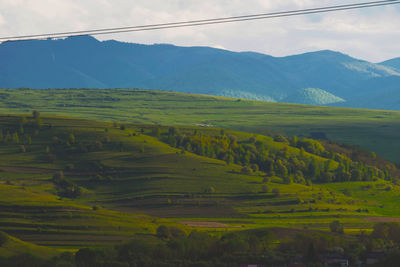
x: 369, y: 34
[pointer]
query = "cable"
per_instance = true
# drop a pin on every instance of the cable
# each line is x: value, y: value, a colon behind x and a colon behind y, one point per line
x: 202, y: 22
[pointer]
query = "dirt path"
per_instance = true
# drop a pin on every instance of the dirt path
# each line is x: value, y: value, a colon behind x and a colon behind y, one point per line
x: 27, y: 170
x: 382, y: 219
x: 44, y: 171
x: 205, y: 224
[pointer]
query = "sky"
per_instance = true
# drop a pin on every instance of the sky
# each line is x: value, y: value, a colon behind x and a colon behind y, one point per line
x: 370, y: 34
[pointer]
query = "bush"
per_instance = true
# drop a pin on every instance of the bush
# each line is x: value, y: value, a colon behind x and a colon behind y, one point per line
x: 58, y: 176
x: 176, y: 232
x: 246, y: 170
x: 3, y: 238
x: 35, y: 114
x: 336, y: 227
x: 22, y: 149
x: 280, y: 138
x: 85, y: 257
x: 163, y: 232
x: 265, y: 188
x: 276, y: 192
x: 210, y: 190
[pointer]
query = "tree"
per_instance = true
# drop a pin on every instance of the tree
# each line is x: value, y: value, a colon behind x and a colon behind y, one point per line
x: 58, y: 177
x: 85, y: 257
x: 336, y: 227
x: 15, y: 138
x: 265, y: 188
x: 36, y: 114
x: 71, y: 138
x: 163, y: 232
x: 229, y: 159
x: 3, y: 238
x: 295, y: 140
x: 246, y: 170
x: 176, y: 232
x: 210, y: 190
x: 21, y: 129
x: 276, y: 192
x: 172, y: 131
x: 22, y: 149
x: 157, y: 132
x: 287, y: 179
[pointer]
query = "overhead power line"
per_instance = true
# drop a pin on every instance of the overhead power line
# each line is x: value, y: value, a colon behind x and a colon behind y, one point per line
x: 193, y: 23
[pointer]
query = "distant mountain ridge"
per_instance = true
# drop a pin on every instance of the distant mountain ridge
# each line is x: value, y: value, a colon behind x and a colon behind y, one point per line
x: 392, y: 63
x: 84, y: 62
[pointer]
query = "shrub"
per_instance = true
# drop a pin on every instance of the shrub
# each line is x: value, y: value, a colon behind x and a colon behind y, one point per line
x: 210, y: 190
x: 276, y: 192
x: 280, y: 138
x: 85, y: 257
x: 36, y: 114
x: 265, y: 188
x: 3, y: 238
x: 246, y: 170
x: 163, y: 232
x: 176, y: 232
x: 336, y: 227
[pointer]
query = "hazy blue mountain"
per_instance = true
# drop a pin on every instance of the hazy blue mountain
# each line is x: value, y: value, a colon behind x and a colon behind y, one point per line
x: 81, y: 62
x: 392, y: 63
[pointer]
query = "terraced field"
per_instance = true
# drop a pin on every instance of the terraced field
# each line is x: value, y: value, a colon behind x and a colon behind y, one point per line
x: 373, y: 130
x: 130, y: 182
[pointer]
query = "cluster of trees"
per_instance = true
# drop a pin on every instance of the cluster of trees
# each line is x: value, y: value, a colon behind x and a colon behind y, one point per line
x: 21, y: 133
x: 173, y: 247
x: 65, y: 188
x: 310, y: 162
x: 176, y: 248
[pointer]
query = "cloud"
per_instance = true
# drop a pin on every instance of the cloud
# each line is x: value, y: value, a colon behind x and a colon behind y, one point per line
x: 368, y: 34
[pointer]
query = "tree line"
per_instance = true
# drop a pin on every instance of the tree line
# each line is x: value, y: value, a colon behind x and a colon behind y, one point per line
x: 300, y: 160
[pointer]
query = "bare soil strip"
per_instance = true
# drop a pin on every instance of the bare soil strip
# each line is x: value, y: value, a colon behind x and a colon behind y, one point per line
x: 382, y: 219
x: 205, y: 224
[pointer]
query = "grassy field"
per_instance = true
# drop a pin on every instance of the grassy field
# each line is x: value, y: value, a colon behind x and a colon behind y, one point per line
x: 374, y: 130
x: 133, y: 183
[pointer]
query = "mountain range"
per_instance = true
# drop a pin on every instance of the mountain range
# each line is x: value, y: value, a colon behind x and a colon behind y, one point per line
x: 319, y: 78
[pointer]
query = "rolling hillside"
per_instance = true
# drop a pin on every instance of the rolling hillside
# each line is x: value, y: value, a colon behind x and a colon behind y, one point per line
x: 84, y: 62
x: 392, y: 63
x: 372, y: 130
x: 137, y: 169
x: 69, y: 183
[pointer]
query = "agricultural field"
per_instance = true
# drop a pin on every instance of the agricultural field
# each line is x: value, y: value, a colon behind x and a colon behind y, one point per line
x: 67, y: 183
x: 373, y: 130
x: 73, y: 179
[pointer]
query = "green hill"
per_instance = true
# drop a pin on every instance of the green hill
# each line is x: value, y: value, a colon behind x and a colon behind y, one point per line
x: 313, y: 96
x: 112, y: 173
x: 372, y: 130
x: 11, y: 246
